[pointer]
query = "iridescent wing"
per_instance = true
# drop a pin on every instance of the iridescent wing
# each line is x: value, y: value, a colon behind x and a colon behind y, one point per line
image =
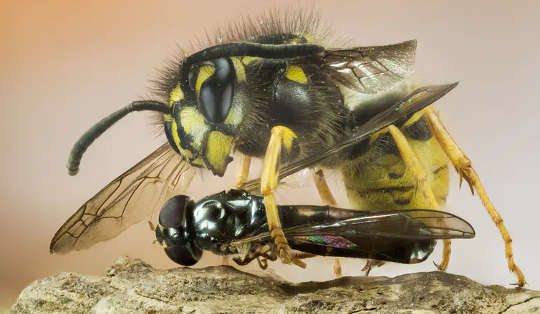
x: 411, y: 224
x: 125, y: 201
x: 403, y: 236
x: 397, y: 236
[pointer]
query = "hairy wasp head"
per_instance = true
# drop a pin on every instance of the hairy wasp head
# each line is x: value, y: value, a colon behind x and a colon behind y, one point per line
x: 206, y: 103
x: 206, y: 110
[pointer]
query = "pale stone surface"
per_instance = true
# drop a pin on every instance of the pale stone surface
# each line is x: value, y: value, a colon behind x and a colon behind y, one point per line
x: 132, y: 286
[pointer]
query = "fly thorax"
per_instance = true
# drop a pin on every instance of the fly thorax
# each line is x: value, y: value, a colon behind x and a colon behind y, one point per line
x: 207, y: 108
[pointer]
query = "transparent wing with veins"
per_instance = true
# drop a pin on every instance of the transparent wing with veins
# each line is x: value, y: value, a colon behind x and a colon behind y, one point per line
x: 371, y: 70
x: 127, y: 200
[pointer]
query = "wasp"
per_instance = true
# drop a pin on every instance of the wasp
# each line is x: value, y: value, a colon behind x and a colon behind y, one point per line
x: 270, y: 88
x: 234, y: 223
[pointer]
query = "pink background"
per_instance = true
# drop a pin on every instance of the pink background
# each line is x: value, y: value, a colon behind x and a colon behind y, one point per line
x: 66, y: 64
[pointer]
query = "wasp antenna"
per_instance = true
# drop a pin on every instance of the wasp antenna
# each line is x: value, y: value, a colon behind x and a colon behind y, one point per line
x: 268, y: 51
x: 94, y: 132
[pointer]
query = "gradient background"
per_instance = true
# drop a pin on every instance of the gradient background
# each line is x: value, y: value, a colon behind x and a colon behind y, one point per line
x: 66, y: 64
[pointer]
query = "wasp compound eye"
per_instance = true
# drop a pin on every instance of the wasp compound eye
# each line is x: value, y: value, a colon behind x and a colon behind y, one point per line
x: 172, y: 214
x: 185, y: 255
x: 216, y: 92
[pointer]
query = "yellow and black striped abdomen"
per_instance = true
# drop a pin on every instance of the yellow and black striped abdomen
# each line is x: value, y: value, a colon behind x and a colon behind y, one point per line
x: 378, y: 178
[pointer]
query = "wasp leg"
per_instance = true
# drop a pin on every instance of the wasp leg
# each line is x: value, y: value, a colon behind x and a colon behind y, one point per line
x: 413, y: 164
x: 337, y: 268
x: 269, y: 181
x: 322, y: 187
x: 464, y: 167
x: 328, y: 199
x: 243, y: 172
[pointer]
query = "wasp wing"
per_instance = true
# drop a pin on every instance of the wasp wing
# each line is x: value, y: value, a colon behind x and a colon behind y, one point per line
x: 371, y: 70
x: 125, y: 201
x: 411, y: 224
x: 415, y: 101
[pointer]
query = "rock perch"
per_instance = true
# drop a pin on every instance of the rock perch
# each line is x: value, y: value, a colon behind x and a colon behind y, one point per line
x: 132, y: 286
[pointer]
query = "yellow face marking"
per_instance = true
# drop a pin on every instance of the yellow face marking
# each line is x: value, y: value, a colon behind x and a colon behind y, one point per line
x: 176, y: 95
x: 205, y: 72
x: 186, y: 153
x: 167, y: 117
x: 248, y: 60
x: 235, y: 115
x: 217, y: 150
x: 295, y: 73
x: 198, y: 162
x: 194, y: 124
x: 239, y: 69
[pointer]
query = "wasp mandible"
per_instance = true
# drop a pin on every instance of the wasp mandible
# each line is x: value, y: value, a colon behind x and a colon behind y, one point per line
x: 270, y: 88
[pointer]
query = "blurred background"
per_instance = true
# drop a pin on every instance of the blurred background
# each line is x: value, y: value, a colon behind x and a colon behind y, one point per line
x: 66, y: 64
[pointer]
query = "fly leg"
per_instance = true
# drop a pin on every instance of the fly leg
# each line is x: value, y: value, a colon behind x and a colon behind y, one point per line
x: 243, y: 173
x: 328, y: 199
x: 465, y: 170
x: 269, y: 181
x: 415, y: 167
x: 370, y: 264
x: 241, y: 178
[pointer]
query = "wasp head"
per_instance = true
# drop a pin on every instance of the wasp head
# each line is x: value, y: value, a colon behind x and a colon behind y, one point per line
x: 206, y: 110
x: 205, y: 106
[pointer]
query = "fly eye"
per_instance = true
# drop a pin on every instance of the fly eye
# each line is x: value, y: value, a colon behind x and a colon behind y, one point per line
x: 186, y: 255
x: 173, y: 212
x: 216, y: 90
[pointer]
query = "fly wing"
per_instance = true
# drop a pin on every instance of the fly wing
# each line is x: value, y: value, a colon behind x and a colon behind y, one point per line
x: 125, y: 201
x: 410, y: 224
x: 415, y: 101
x: 371, y: 70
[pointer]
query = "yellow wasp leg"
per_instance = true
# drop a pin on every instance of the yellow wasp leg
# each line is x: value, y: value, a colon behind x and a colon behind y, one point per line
x: 269, y: 182
x: 413, y: 164
x: 464, y: 167
x: 243, y: 173
x: 328, y: 199
x: 322, y: 187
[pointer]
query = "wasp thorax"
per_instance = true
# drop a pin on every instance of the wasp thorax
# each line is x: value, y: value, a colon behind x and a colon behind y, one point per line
x: 207, y: 108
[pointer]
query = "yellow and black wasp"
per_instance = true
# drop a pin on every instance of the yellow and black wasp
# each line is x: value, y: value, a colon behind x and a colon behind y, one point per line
x: 271, y: 89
